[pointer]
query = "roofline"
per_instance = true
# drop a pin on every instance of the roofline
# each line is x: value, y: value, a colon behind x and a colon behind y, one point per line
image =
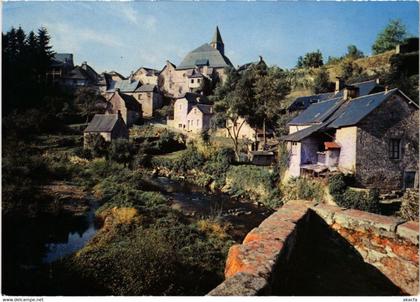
x: 410, y: 101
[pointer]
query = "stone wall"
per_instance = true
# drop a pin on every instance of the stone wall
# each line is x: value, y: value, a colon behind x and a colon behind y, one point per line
x: 317, y: 249
x: 395, y: 119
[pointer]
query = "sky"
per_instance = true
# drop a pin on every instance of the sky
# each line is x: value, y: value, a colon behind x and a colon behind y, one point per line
x: 124, y: 36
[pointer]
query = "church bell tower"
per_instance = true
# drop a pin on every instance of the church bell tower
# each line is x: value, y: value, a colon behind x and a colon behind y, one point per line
x: 217, y: 42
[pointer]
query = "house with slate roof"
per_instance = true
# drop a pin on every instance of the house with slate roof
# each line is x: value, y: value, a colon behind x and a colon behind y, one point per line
x: 207, y: 61
x: 61, y: 63
x: 192, y: 113
x: 125, y: 105
x: 147, y: 76
x: 373, y: 136
x: 150, y: 98
x: 303, y: 102
x: 109, y: 126
x: 82, y: 76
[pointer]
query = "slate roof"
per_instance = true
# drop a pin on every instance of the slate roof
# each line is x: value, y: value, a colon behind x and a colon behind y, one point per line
x: 337, y: 113
x: 62, y: 59
x: 149, y: 71
x: 217, y: 37
x: 205, y: 53
x: 316, y: 113
x: 129, y: 101
x: 194, y: 98
x: 304, y: 102
x: 146, y: 88
x: 102, y: 123
x: 205, y: 109
x: 301, y: 134
x: 124, y: 85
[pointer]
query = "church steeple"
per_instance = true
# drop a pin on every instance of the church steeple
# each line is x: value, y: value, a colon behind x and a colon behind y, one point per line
x: 217, y: 42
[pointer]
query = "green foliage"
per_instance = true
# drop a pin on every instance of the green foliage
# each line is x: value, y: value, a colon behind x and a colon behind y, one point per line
x: 350, y: 198
x: 190, y: 159
x: 121, y: 151
x: 350, y: 71
x: 353, y: 52
x: 28, y: 55
x: 392, y: 35
x: 322, y: 81
x: 310, y: 60
x: 303, y: 188
x: 97, y: 144
x: 256, y: 95
x: 257, y: 185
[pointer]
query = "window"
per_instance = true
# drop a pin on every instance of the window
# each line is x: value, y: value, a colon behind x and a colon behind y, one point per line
x: 395, y: 149
x: 198, y: 80
x: 192, y: 81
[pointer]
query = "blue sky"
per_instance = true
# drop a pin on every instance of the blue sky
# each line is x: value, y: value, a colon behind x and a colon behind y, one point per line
x: 123, y: 36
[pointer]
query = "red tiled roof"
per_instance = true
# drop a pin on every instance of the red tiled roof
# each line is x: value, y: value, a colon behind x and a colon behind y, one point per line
x: 331, y: 145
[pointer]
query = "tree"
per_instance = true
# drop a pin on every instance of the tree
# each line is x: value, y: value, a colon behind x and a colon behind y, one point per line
x: 353, y: 52
x: 322, y: 81
x: 311, y: 59
x: 231, y: 106
x: 392, y: 35
x: 86, y: 101
x: 270, y: 91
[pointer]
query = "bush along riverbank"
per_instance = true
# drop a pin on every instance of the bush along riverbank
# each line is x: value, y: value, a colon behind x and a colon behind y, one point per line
x: 214, y: 168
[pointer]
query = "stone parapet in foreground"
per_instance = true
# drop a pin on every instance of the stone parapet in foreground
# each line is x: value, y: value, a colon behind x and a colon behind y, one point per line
x: 387, y: 243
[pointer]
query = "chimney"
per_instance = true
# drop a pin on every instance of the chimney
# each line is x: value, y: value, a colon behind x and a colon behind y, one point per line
x: 84, y: 65
x: 377, y: 81
x: 350, y: 92
x: 386, y: 88
x: 339, y: 84
x: 119, y: 114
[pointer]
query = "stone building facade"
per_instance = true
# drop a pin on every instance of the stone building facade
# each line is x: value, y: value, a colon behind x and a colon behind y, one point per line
x: 205, y: 62
x: 150, y: 98
x: 376, y: 139
x: 147, y: 76
x: 387, y: 146
x: 109, y: 126
x: 126, y: 106
x: 192, y: 113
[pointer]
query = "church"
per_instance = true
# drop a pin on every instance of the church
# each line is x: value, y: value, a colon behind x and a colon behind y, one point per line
x: 203, y: 65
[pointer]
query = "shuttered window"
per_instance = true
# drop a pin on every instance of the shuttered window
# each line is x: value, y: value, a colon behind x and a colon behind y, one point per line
x: 395, y: 149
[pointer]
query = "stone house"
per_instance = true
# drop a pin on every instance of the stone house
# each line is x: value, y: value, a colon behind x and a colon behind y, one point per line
x: 192, y: 113
x: 147, y: 76
x: 61, y: 64
x: 374, y: 137
x: 150, y: 98
x: 125, y: 105
x: 207, y: 61
x: 109, y: 126
x: 81, y: 76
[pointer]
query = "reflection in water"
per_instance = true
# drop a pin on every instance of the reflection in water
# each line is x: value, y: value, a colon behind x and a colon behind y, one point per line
x: 75, y: 239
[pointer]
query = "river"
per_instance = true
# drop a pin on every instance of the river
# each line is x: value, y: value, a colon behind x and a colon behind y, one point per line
x: 34, y: 242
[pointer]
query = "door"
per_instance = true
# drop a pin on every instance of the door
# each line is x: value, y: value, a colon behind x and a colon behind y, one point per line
x: 409, y: 179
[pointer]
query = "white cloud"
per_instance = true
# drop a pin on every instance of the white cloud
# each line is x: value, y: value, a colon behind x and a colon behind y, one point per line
x: 69, y: 38
x: 131, y: 15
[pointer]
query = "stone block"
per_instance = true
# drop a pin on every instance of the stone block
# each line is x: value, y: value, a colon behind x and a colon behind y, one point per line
x: 409, y: 231
x: 241, y: 284
x: 364, y: 221
x: 326, y: 212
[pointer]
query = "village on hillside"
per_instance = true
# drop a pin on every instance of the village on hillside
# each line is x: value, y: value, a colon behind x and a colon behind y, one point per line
x: 206, y: 178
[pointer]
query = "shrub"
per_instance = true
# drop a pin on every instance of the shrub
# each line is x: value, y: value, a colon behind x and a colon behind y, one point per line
x: 121, y: 151
x: 253, y: 182
x: 350, y: 198
x: 97, y: 144
x: 303, y: 188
